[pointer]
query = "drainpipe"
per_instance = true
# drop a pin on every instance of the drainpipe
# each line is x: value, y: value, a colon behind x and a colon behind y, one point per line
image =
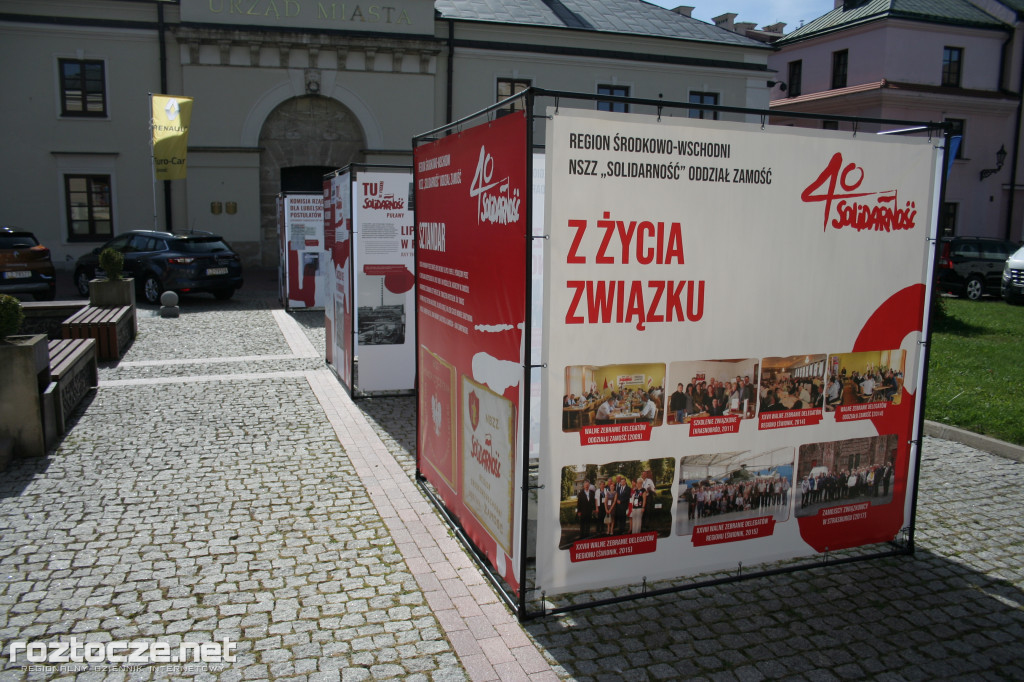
x: 1016, y: 142
x: 1007, y: 53
x: 451, y: 72
x: 161, y: 30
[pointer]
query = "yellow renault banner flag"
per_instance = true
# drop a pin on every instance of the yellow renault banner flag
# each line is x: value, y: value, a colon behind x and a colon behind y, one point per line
x: 171, y: 116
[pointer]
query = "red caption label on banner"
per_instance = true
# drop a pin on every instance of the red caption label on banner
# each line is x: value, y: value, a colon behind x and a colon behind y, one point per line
x: 714, y: 426
x: 312, y: 242
x: 844, y: 514
x: 732, y: 531
x: 383, y: 269
x: 615, y: 433
x: 618, y: 545
x: 849, y: 413
x: 787, y: 418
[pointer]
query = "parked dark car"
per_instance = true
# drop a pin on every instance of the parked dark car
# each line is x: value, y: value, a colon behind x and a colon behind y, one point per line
x: 25, y: 265
x: 161, y: 261
x: 973, y: 266
x: 1013, y: 278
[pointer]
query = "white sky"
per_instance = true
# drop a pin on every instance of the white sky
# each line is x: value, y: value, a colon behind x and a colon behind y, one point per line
x: 761, y: 12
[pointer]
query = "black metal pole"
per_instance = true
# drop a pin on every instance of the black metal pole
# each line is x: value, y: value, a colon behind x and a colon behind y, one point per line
x: 1015, y: 158
x: 416, y: 309
x: 926, y: 343
x: 524, y: 512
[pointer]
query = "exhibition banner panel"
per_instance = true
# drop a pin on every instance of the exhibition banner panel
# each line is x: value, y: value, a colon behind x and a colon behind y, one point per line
x: 385, y: 258
x: 733, y: 320
x: 338, y: 309
x: 470, y: 194
x: 302, y: 233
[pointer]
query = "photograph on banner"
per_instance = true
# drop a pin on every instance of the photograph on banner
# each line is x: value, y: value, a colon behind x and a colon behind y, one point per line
x: 438, y: 408
x: 861, y: 385
x: 712, y: 388
x: 724, y: 488
x: 792, y: 391
x: 311, y: 264
x: 381, y: 312
x: 856, y: 471
x: 489, y: 459
x: 610, y: 395
x: 600, y: 501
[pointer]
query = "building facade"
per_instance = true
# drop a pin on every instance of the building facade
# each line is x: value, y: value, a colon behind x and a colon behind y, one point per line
x: 912, y: 60
x: 286, y: 90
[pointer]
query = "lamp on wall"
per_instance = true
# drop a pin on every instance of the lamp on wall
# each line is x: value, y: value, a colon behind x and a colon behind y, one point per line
x: 1000, y: 158
x: 782, y: 86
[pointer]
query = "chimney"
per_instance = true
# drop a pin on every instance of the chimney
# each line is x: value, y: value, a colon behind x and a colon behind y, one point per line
x: 775, y: 28
x: 685, y: 10
x: 726, y: 21
x: 745, y: 27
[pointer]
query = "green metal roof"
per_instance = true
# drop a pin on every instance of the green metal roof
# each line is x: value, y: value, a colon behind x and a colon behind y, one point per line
x: 956, y: 12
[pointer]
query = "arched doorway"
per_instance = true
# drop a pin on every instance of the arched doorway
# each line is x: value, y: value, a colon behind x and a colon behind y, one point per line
x: 302, y: 133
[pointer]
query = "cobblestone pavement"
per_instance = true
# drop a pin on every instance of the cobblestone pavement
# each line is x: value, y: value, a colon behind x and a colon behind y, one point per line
x: 214, y: 485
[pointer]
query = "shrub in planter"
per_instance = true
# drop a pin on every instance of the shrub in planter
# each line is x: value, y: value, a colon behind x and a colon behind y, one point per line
x: 112, y: 263
x: 11, y: 315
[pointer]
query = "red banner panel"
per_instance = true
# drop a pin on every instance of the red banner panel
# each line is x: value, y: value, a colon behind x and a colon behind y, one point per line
x: 470, y: 198
x: 614, y: 546
x: 747, y: 529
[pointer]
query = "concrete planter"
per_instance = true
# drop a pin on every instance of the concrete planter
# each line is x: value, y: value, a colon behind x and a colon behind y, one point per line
x: 112, y: 293
x: 24, y: 374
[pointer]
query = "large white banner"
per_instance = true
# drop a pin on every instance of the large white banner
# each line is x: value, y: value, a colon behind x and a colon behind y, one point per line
x: 303, y: 254
x: 733, y: 318
x: 385, y: 319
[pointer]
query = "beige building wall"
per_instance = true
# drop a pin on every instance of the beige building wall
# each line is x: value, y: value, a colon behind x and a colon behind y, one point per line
x: 269, y: 96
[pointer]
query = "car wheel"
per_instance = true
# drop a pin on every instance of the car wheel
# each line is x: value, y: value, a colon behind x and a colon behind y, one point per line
x: 974, y: 288
x: 82, y: 282
x: 223, y: 294
x: 151, y: 289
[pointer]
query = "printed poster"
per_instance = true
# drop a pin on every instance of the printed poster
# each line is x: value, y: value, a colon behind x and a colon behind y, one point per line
x: 385, y: 323
x: 338, y: 309
x: 470, y: 194
x: 733, y: 317
x: 303, y: 256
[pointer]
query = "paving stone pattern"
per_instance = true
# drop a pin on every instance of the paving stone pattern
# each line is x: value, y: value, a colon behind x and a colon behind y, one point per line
x: 209, y: 498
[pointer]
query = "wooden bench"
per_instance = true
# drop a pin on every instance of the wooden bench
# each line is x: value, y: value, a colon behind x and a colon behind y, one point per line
x: 113, y: 329
x: 45, y: 317
x: 73, y: 371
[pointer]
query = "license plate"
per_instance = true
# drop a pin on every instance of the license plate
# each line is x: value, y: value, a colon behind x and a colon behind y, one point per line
x: 216, y: 271
x: 17, y: 274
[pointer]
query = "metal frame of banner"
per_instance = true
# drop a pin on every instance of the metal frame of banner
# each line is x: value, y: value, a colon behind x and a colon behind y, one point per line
x: 354, y: 391
x: 901, y: 545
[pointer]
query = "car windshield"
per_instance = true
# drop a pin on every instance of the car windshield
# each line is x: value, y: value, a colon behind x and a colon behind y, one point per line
x: 201, y: 246
x: 17, y: 241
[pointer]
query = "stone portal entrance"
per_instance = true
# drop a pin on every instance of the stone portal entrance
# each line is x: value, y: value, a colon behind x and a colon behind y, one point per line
x: 303, y: 132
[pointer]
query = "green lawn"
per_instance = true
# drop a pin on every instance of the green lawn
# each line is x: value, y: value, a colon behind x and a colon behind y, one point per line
x: 976, y: 377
